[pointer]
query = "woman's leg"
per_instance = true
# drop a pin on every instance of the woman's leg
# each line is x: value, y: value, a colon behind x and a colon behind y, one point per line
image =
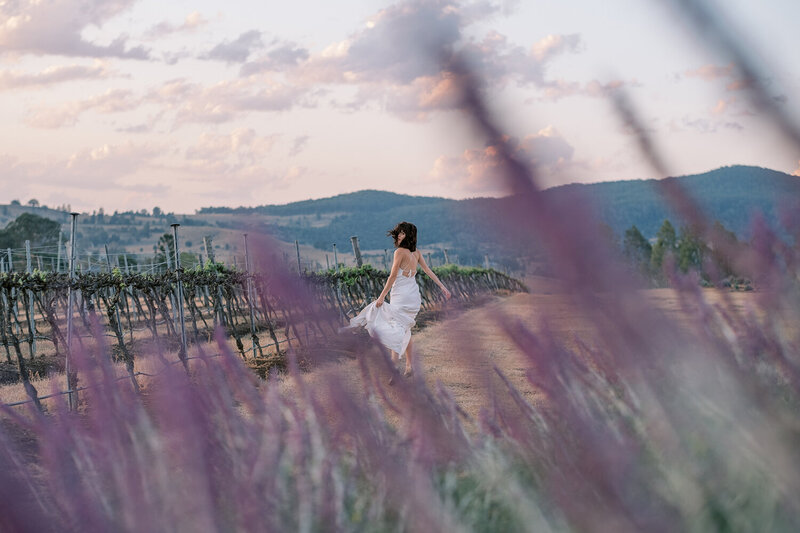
x: 409, y: 352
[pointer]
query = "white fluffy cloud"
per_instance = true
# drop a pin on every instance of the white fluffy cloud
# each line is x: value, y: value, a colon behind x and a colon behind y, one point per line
x: 403, y: 55
x: 55, y: 27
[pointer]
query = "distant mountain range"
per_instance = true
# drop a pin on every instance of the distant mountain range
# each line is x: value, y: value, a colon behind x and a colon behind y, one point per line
x: 730, y: 194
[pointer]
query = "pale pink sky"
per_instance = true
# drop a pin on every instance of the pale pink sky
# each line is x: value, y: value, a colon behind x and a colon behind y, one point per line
x: 130, y: 104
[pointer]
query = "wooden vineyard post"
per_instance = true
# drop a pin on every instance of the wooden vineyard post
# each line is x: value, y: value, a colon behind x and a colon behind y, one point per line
x: 70, y: 299
x: 297, y: 247
x: 58, y: 253
x: 356, y: 250
x: 338, y: 282
x: 182, y: 353
x: 248, y: 273
x: 446, y: 259
x: 31, y: 319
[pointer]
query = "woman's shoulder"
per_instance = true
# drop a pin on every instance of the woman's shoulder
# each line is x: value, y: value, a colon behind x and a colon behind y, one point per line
x: 402, y: 251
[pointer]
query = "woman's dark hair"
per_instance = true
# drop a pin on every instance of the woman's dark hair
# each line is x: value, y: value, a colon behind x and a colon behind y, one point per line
x: 410, y: 240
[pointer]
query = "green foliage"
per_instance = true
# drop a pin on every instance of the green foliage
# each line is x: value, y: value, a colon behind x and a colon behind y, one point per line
x: 691, y: 250
x: 165, y: 246
x: 666, y: 243
x: 39, y: 230
x: 635, y: 247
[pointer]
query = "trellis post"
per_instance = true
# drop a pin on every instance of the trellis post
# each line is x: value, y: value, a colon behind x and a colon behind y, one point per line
x: 31, y: 319
x: 182, y: 353
x: 58, y: 252
x: 70, y: 299
x: 297, y: 248
x: 356, y: 250
x: 248, y: 273
x: 338, y: 281
x: 446, y: 259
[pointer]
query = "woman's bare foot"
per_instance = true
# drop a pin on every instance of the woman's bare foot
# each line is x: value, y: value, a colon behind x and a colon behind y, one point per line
x: 408, y: 373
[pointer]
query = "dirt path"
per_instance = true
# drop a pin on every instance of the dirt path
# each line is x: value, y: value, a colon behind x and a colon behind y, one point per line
x: 461, y: 351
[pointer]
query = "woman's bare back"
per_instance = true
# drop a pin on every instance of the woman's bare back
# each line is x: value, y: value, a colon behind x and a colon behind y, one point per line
x: 411, y: 260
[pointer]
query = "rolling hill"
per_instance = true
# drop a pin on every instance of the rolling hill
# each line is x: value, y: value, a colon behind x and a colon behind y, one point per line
x: 729, y: 194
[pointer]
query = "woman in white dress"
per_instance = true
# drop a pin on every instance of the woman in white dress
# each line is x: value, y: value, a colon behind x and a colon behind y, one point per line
x: 391, y: 322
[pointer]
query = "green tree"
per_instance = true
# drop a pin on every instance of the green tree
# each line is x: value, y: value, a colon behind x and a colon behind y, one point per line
x: 40, y: 231
x: 165, y: 245
x: 724, y: 244
x: 635, y: 247
x: 666, y: 243
x: 691, y: 250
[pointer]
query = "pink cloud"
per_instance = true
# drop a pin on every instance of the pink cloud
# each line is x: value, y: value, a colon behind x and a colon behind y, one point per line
x: 191, y: 23
x: 710, y: 72
x: 553, y: 45
x: 94, y: 169
x: 240, y: 146
x: 723, y: 104
x: 10, y: 80
x: 55, y: 27
x: 401, y: 55
x: 478, y: 170
x: 716, y: 72
x: 112, y: 101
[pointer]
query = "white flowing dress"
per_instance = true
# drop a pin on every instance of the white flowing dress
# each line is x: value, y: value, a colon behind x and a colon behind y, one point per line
x: 391, y: 323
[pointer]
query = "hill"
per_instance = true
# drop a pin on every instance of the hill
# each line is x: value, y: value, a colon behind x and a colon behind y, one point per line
x: 730, y: 194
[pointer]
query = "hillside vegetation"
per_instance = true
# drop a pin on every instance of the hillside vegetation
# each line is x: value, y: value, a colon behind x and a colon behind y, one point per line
x: 730, y: 195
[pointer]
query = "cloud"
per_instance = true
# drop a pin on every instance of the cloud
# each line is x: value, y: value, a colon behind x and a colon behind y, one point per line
x: 10, y: 80
x: 558, y: 89
x: 186, y: 102
x: 280, y: 56
x: 112, y: 101
x: 238, y: 50
x: 241, y: 146
x: 400, y: 58
x: 56, y: 27
x: 229, y: 100
x: 553, y: 45
x: 723, y: 104
x: 91, y: 169
x: 191, y: 23
x: 479, y: 170
x: 704, y: 125
x: 710, y: 72
x: 728, y: 72
x: 298, y: 145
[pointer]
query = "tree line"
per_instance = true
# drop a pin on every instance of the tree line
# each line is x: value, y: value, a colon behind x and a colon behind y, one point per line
x: 683, y: 251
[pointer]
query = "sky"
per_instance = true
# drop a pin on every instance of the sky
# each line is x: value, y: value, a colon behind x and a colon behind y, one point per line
x: 132, y: 104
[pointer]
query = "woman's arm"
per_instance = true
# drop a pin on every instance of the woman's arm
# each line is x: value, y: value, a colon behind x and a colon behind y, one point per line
x: 392, y: 276
x: 431, y: 274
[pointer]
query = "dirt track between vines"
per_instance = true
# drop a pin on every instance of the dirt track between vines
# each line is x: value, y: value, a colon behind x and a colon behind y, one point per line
x: 461, y: 350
